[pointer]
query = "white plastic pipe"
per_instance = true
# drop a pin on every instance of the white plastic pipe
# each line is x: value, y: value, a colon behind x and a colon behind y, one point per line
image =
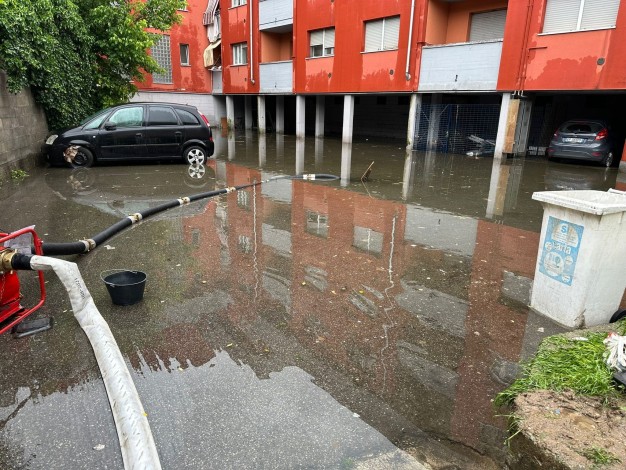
x: 133, y: 430
x: 408, y: 45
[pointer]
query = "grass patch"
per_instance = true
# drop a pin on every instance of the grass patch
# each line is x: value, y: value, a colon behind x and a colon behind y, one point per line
x: 566, y: 364
x: 18, y: 175
x: 599, y: 456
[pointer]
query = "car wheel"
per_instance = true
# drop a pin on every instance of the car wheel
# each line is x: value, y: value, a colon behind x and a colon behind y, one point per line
x: 83, y: 159
x: 195, y: 155
x: 608, y: 160
x: 617, y: 316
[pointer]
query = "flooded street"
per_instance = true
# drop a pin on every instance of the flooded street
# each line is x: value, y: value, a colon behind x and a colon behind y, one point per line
x: 296, y: 324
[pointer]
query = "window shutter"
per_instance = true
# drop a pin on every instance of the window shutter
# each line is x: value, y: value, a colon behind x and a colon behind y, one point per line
x: 329, y: 38
x: 598, y: 14
x: 373, y: 35
x: 317, y: 37
x: 392, y: 31
x: 487, y: 26
x: 561, y: 16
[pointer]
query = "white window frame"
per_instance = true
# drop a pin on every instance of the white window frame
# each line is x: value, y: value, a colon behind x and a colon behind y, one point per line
x: 382, y: 22
x: 237, y: 3
x: 240, y: 53
x: 185, y: 62
x: 579, y: 21
x: 326, y: 44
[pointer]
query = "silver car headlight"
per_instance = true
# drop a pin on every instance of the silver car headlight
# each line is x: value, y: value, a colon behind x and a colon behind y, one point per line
x: 50, y: 140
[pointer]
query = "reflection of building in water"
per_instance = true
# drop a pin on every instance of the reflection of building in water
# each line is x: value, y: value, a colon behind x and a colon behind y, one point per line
x: 422, y: 308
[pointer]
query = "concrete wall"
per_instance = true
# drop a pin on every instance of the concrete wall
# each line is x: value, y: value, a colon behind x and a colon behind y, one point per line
x: 23, y: 129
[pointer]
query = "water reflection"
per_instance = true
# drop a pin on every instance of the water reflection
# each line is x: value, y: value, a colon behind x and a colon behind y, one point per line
x: 402, y: 301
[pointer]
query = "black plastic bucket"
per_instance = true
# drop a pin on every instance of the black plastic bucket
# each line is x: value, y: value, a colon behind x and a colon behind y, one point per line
x: 125, y: 287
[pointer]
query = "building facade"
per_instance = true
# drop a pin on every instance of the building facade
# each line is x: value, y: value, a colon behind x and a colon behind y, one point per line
x: 452, y: 76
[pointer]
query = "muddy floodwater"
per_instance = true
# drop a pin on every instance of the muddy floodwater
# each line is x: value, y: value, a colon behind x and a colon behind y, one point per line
x: 294, y: 324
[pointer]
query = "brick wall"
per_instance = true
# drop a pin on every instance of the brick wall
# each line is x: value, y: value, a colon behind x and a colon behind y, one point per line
x: 23, y: 129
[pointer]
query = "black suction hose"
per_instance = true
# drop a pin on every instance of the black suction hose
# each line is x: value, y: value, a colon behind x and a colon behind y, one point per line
x: 84, y: 246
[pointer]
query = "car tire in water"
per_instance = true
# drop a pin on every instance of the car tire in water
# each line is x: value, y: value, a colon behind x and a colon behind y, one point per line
x: 195, y: 155
x: 83, y: 159
x: 617, y: 316
x: 608, y: 160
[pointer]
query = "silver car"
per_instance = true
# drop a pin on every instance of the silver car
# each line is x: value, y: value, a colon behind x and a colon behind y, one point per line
x: 589, y: 140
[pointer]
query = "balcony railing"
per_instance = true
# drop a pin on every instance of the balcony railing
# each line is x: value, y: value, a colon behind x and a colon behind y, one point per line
x: 275, y: 14
x: 276, y: 77
x: 217, y: 81
x: 460, y: 67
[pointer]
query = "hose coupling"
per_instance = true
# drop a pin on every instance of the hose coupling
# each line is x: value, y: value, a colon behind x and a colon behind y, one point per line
x: 136, y: 217
x: 89, y: 244
x: 6, y: 259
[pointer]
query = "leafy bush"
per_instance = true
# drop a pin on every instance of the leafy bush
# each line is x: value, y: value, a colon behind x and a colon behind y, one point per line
x: 79, y: 56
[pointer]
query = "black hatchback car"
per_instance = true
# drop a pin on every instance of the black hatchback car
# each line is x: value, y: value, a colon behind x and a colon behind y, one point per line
x: 584, y: 140
x: 134, y: 131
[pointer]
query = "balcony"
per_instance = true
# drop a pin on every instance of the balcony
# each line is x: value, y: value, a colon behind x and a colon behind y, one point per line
x: 217, y: 82
x: 275, y: 15
x: 470, y: 66
x: 276, y: 77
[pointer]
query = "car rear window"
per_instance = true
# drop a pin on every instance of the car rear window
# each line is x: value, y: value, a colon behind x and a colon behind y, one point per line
x: 187, y: 118
x: 582, y: 127
x: 162, y: 116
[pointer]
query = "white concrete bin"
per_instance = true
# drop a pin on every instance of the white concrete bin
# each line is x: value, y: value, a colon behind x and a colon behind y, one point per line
x: 580, y: 275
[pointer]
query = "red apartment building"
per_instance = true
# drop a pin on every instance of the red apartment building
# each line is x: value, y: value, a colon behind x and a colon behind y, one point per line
x: 439, y: 73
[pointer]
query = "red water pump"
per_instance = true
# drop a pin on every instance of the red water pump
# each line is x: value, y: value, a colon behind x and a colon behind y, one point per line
x: 11, y: 310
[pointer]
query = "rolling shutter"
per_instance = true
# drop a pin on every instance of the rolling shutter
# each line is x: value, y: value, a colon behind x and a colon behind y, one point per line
x: 329, y: 38
x: 561, y: 16
x: 488, y: 25
x: 317, y: 37
x: 392, y: 30
x: 373, y: 35
x: 599, y: 14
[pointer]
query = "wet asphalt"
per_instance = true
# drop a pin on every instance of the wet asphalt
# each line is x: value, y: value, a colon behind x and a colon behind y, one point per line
x: 297, y: 324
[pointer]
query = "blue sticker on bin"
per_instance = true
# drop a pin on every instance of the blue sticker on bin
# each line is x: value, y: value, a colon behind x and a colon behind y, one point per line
x: 560, y: 250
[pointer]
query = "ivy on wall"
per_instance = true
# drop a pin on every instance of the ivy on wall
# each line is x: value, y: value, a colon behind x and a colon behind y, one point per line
x: 78, y: 56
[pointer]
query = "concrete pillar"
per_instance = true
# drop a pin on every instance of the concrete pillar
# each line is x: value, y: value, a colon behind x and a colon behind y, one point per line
x: 502, y: 126
x: 319, y: 153
x: 220, y: 112
x: 280, y: 147
x: 248, y: 112
x: 412, y: 130
x: 300, y: 116
x: 320, y: 102
x: 348, y: 119
x: 497, y: 189
x: 261, y: 111
x: 346, y: 163
x: 262, y: 150
x: 433, y: 123
x: 280, y: 114
x: 230, y: 112
x: 231, y: 145
x: 408, y: 177
x: 299, y: 156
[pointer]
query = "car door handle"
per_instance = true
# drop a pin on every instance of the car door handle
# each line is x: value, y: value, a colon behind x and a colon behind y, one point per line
x: 138, y: 134
x: 178, y: 133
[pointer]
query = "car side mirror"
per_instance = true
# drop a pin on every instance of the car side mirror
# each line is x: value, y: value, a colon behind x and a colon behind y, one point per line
x: 110, y: 126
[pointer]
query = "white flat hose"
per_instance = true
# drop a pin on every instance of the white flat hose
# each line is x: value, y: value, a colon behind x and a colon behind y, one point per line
x: 133, y: 430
